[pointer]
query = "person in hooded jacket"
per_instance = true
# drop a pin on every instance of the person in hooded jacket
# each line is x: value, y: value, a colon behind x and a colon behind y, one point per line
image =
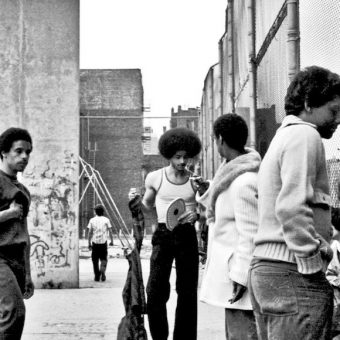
x: 232, y: 216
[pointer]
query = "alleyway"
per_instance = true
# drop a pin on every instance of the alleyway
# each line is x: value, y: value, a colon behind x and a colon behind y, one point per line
x: 94, y: 311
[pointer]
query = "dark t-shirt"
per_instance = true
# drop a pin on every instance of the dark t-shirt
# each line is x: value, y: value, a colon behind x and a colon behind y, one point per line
x: 13, y: 233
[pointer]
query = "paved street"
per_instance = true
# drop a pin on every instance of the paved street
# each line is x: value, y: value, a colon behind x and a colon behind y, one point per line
x: 94, y: 311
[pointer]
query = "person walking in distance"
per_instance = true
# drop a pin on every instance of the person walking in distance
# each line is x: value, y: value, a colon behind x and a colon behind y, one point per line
x: 162, y: 186
x: 290, y: 294
x: 15, y: 272
x: 99, y: 229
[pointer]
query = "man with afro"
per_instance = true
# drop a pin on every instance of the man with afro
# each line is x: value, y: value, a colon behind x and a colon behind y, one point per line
x: 177, y: 145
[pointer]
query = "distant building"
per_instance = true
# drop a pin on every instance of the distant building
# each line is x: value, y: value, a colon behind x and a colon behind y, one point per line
x: 111, y: 121
x: 150, y: 142
x: 185, y: 118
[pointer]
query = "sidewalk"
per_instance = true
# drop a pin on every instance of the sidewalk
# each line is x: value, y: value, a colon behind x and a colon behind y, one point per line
x: 94, y: 311
x: 116, y: 250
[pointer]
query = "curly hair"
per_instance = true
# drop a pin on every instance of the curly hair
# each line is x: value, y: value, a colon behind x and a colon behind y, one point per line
x: 314, y: 86
x: 179, y: 139
x: 233, y: 129
x: 11, y: 135
x: 99, y: 209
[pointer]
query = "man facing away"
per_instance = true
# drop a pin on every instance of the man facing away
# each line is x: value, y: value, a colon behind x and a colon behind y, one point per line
x: 99, y: 228
x: 15, y: 273
x: 290, y: 294
x: 162, y: 186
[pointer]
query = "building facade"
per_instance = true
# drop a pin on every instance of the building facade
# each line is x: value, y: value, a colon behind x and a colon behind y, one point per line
x: 111, y: 120
x: 185, y: 118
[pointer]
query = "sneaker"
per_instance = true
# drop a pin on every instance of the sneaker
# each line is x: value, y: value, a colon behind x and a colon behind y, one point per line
x: 103, y: 278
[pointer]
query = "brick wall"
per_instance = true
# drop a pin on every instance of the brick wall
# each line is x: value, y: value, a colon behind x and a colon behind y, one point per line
x: 117, y: 141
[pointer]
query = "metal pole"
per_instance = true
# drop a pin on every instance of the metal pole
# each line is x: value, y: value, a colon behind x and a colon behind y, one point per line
x: 293, y: 38
x: 231, y: 59
x: 204, y: 133
x: 212, y: 115
x: 252, y: 73
x: 221, y: 62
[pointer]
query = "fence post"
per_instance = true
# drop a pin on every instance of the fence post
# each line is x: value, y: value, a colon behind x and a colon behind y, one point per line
x: 211, y: 122
x: 293, y: 38
x: 221, y: 78
x: 231, y: 59
x: 252, y: 73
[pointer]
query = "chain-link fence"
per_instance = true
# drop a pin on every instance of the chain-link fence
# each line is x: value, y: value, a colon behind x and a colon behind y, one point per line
x: 320, y: 45
x: 265, y: 43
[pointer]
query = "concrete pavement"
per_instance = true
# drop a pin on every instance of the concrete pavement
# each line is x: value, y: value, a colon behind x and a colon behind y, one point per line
x: 94, y: 311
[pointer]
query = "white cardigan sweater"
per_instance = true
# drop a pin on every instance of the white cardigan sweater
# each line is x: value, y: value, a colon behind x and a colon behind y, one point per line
x: 294, y: 214
x: 230, y: 244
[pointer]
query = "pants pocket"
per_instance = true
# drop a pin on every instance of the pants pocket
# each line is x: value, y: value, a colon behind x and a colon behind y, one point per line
x: 273, y: 293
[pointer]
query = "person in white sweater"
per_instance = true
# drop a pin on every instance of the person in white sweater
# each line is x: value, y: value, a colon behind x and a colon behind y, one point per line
x: 232, y: 216
x: 290, y: 294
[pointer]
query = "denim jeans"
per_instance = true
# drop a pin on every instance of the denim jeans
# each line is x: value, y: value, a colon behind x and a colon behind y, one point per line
x: 12, y: 307
x: 181, y: 245
x: 240, y: 324
x: 289, y: 305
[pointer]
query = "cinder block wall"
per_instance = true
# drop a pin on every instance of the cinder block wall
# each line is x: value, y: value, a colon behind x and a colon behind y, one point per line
x: 118, y: 157
x: 39, y: 90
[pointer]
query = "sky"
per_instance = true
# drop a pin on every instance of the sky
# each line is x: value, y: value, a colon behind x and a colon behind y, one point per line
x: 173, y: 42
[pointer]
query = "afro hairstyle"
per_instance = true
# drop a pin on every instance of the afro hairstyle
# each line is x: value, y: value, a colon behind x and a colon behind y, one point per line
x: 179, y: 139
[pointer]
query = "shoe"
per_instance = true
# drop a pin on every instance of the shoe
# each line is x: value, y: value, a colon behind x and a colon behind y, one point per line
x: 96, y: 278
x: 103, y: 278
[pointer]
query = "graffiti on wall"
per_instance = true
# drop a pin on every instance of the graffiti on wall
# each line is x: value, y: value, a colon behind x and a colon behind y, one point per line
x: 52, y: 218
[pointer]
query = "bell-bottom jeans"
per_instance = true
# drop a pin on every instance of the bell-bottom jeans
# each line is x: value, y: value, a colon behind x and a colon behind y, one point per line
x: 179, y: 245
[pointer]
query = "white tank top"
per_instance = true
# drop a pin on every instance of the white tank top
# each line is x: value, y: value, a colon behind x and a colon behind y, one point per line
x: 169, y: 191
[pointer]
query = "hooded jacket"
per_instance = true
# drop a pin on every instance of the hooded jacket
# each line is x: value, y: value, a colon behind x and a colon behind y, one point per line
x: 231, y: 203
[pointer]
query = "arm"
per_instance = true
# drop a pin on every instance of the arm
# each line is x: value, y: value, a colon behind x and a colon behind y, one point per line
x: 152, y: 181
x: 90, y: 234
x: 298, y: 162
x: 15, y: 210
x: 204, y: 198
x: 148, y: 201
x: 29, y: 286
